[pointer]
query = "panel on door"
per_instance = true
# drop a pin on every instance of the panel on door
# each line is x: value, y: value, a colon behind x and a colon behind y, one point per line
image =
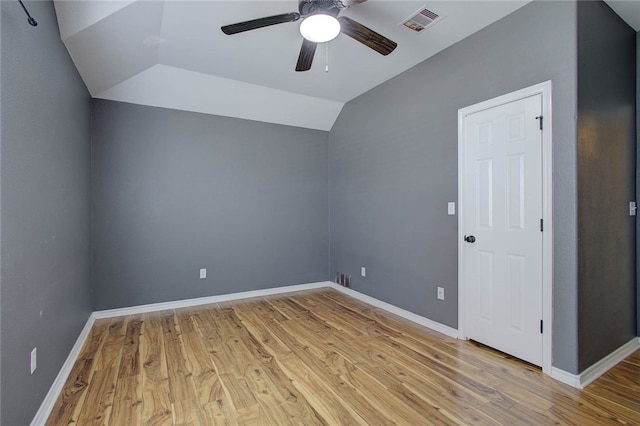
x: 502, y: 192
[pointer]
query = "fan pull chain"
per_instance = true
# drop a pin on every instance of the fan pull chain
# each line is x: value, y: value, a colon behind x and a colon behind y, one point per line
x: 326, y: 56
x: 31, y: 21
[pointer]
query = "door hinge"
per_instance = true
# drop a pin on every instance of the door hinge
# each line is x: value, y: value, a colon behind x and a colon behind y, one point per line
x: 541, y: 225
x: 541, y: 327
x: 540, y: 118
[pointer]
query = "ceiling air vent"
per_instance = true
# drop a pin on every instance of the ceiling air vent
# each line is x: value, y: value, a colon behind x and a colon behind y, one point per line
x: 421, y: 20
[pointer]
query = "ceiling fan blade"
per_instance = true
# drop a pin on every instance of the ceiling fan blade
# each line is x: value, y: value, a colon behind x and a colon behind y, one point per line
x: 366, y: 36
x: 305, y: 59
x: 260, y: 23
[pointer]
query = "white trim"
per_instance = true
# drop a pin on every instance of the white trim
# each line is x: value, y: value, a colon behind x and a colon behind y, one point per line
x: 54, y: 391
x: 592, y: 373
x: 433, y: 325
x: 547, y: 235
x: 589, y: 375
x: 52, y: 396
x: 543, y: 89
x: 572, y: 380
x: 578, y: 381
x: 154, y: 307
x: 436, y: 326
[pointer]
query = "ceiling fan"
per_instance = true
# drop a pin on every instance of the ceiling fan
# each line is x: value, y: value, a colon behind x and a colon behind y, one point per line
x: 325, y: 13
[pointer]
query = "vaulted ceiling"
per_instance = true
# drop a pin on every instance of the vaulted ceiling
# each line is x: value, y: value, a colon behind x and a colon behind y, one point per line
x: 173, y: 54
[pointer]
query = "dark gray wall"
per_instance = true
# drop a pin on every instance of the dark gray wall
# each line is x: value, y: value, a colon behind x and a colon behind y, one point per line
x: 176, y: 191
x: 393, y: 166
x: 44, y: 194
x: 606, y: 182
x: 637, y: 180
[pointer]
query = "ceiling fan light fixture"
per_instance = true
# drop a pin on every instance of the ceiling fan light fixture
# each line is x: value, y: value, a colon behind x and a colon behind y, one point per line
x: 320, y: 28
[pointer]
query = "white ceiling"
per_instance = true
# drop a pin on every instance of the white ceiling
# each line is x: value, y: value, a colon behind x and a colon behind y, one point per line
x: 172, y: 54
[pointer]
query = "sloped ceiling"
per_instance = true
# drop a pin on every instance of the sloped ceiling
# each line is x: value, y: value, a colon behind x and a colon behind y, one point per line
x: 628, y: 10
x: 172, y: 54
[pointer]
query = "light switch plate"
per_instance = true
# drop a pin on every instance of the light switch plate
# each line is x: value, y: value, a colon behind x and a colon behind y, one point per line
x: 633, y: 208
x: 451, y: 208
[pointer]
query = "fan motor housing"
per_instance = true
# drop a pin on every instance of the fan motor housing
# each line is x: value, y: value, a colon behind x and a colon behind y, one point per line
x: 309, y: 7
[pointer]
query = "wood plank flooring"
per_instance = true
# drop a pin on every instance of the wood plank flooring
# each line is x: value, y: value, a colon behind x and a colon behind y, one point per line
x: 317, y: 358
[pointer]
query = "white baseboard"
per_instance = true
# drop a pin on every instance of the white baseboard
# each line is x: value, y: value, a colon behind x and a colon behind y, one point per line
x: 572, y: 380
x: 52, y: 396
x: 575, y: 380
x: 154, y: 307
x: 589, y: 375
x: 433, y: 325
x: 608, y: 362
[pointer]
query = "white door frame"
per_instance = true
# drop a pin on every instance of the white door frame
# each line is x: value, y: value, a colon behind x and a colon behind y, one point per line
x: 543, y: 89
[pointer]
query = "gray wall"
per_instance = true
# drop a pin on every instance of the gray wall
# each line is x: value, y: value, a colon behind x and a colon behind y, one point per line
x: 176, y: 191
x: 637, y: 179
x: 606, y: 182
x: 393, y: 166
x: 44, y: 187
x: 0, y: 214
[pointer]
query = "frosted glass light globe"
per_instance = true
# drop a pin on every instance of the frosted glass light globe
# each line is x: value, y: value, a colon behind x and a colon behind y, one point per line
x: 320, y: 28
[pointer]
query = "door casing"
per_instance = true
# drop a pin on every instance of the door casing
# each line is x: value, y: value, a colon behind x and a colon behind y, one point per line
x: 543, y: 89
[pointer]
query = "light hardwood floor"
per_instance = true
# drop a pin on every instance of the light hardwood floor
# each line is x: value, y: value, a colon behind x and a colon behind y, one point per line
x: 317, y: 357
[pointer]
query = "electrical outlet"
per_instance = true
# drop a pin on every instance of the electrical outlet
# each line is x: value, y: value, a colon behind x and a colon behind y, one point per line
x: 363, y: 271
x: 440, y: 293
x: 34, y: 360
x: 203, y: 273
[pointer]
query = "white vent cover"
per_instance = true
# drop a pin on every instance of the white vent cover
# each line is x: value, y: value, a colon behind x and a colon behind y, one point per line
x: 421, y: 20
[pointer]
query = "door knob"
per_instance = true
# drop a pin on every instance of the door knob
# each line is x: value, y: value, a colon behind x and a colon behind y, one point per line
x: 470, y: 239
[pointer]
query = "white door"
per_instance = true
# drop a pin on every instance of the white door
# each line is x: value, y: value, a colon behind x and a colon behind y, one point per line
x: 502, y: 190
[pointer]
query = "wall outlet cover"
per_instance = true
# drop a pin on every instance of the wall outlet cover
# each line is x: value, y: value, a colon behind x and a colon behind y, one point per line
x: 203, y: 273
x: 440, y: 293
x: 363, y: 271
